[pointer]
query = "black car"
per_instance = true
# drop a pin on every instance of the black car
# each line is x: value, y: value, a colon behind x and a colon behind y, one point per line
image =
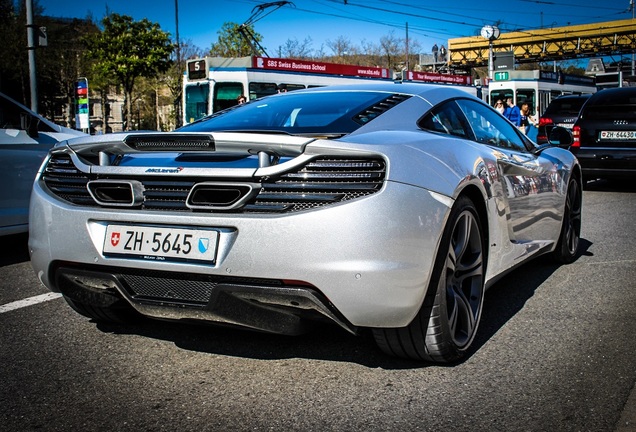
x: 562, y: 111
x: 605, y: 134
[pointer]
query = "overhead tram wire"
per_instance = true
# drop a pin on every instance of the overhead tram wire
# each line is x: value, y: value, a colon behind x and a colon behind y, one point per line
x: 422, y: 31
x: 402, y: 13
x: 576, y: 5
x: 507, y: 27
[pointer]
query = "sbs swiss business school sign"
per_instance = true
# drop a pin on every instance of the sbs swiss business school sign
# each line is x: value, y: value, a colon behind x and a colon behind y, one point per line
x: 309, y: 66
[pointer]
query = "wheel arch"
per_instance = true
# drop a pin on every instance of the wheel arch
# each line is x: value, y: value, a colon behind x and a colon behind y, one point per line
x: 477, y: 197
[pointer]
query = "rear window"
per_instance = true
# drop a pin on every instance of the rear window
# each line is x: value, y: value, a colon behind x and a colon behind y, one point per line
x: 566, y: 106
x: 612, y: 103
x: 610, y: 112
x: 300, y: 112
x: 615, y: 97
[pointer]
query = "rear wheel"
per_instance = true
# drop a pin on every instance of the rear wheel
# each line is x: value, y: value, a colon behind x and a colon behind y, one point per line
x: 446, y: 325
x: 568, y: 243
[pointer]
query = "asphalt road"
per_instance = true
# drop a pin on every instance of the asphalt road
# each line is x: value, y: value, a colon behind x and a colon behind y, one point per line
x: 555, y: 352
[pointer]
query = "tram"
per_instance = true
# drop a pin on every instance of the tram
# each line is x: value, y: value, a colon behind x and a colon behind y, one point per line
x: 536, y: 88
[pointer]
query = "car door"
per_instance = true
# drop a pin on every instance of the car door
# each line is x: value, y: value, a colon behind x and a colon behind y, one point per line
x: 22, y: 150
x: 530, y: 196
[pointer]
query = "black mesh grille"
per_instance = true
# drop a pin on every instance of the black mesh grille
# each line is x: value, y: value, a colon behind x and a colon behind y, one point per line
x: 173, y: 142
x: 321, y: 182
x: 149, y: 287
x: 66, y: 181
x: 178, y: 287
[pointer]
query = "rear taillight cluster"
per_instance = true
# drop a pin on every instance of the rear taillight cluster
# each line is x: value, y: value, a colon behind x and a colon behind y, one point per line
x: 576, y: 135
x: 545, y: 121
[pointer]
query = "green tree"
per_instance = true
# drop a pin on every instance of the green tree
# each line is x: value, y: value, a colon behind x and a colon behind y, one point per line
x: 61, y: 63
x: 126, y: 50
x: 231, y: 43
x: 14, y: 71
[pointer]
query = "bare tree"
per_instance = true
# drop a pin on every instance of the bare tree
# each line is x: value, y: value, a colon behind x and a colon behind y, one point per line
x: 342, y: 49
x: 392, y: 48
x: 295, y: 49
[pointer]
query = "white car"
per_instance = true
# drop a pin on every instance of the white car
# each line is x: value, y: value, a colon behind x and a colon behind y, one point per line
x: 25, y: 139
x: 387, y: 208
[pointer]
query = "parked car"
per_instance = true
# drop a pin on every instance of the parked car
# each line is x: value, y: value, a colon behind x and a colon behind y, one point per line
x: 384, y: 207
x: 25, y: 139
x: 605, y: 134
x: 562, y: 111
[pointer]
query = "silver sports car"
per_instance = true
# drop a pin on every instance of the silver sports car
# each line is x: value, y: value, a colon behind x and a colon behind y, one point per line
x: 386, y: 208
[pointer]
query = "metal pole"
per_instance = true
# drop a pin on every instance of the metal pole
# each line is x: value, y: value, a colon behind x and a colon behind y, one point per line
x: 31, y: 51
x: 176, y: 15
x: 407, y: 47
x: 631, y: 5
x: 179, y: 119
x: 491, y: 66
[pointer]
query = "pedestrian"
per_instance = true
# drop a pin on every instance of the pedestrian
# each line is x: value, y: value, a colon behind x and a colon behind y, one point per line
x: 499, y: 106
x: 527, y: 122
x: 435, y: 50
x: 442, y: 53
x: 524, y: 112
x: 513, y: 113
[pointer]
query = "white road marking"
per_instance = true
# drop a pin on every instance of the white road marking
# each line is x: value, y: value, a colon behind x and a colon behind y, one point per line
x: 28, y: 302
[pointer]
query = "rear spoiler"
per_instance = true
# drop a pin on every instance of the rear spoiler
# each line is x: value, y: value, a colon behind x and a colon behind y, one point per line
x: 184, y: 142
x: 96, y: 153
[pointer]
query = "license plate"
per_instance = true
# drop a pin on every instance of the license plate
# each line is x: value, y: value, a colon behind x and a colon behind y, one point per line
x: 565, y: 125
x: 618, y: 135
x: 161, y: 243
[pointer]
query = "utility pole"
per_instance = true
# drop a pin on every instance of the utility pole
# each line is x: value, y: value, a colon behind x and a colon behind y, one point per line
x: 179, y: 119
x: 407, y: 47
x: 31, y: 50
x: 631, y: 6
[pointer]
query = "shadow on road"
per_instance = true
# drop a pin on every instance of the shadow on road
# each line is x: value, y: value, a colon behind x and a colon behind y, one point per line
x: 330, y: 343
x: 14, y: 249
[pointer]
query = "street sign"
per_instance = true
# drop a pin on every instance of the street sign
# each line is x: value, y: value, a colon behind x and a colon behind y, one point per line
x: 81, y: 104
x: 502, y: 76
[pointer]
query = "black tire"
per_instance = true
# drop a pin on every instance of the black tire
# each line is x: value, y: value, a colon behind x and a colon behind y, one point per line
x: 568, y: 244
x: 119, y: 314
x: 447, y: 322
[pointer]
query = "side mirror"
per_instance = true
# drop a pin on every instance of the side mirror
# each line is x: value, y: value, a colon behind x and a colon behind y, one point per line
x: 560, y: 136
x: 29, y: 124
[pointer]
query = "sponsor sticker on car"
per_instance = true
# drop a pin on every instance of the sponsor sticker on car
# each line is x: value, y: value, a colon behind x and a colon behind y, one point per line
x: 618, y: 135
x: 161, y: 243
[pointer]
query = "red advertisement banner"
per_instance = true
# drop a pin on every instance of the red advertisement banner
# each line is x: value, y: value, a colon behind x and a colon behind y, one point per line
x: 310, y: 66
x: 433, y: 77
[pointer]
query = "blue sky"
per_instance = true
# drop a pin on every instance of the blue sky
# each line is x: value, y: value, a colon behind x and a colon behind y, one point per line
x: 358, y: 20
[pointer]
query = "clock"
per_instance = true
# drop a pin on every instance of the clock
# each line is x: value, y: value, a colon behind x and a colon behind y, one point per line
x: 490, y: 32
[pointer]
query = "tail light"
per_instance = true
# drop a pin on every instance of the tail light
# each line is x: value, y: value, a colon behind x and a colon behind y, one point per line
x: 576, y: 135
x: 545, y: 121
